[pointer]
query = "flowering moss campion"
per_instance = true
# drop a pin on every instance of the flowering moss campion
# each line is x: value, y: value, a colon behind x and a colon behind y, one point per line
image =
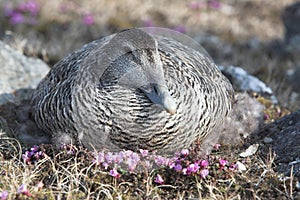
x: 109, y: 157
x: 25, y: 12
x: 223, y: 162
x: 4, y: 195
x: 33, y: 155
x: 161, y: 161
x: 184, y: 152
x: 144, y: 153
x: 204, y: 173
x: 159, y: 179
x: 193, y: 168
x: 177, y: 167
x: 114, y: 173
x: 233, y: 167
x: 132, y: 161
x: 99, y: 158
x: 204, y: 163
x: 217, y: 146
x: 88, y: 19
x: 23, y: 190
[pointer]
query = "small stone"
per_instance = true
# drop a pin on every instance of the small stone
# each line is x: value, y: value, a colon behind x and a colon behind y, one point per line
x: 18, y: 73
x: 250, y: 151
x: 241, y: 167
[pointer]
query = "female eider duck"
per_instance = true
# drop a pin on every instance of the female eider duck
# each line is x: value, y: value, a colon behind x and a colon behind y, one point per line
x: 135, y: 89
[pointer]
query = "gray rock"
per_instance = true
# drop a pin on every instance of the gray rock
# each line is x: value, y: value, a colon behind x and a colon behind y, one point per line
x: 243, y: 81
x: 18, y: 72
x: 19, y: 76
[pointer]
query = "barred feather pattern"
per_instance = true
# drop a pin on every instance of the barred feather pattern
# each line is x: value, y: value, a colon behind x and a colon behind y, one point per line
x: 116, y: 117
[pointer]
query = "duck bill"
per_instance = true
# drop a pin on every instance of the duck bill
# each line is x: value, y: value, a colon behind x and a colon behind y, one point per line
x: 159, y: 94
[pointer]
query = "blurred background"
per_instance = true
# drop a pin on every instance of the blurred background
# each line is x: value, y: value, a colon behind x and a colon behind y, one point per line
x: 250, y: 34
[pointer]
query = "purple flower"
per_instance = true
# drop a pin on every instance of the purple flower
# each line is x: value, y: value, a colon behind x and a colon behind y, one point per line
x: 204, y: 173
x: 3, y: 195
x: 217, y: 146
x: 233, y: 167
x: 192, y: 168
x: 171, y: 164
x: 159, y: 179
x: 161, y: 161
x: 135, y: 157
x: 177, y: 154
x: 16, y: 18
x: 266, y: 117
x: 99, y: 158
x: 185, y: 152
x: 34, y: 149
x: 196, y: 5
x: 109, y: 157
x: 114, y: 173
x: 223, y: 162
x: 177, y: 167
x: 144, y: 152
x: 118, y: 158
x: 23, y: 190
x: 88, y: 19
x: 63, y: 146
x: 32, y: 7
x: 27, y: 156
x: 132, y: 161
x: 204, y: 163
x: 105, y: 165
x: 214, y: 4
x: 128, y: 153
x: 39, y: 155
x: 68, y: 147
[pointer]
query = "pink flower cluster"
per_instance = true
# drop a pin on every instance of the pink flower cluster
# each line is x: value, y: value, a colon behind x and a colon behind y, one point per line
x: 213, y: 4
x: 88, y: 19
x: 115, y: 162
x: 181, y: 164
x: 69, y: 148
x: 33, y: 155
x: 4, y: 195
x: 22, y: 190
x: 23, y: 13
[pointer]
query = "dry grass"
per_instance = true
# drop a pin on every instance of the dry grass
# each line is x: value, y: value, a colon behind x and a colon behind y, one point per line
x: 76, y: 176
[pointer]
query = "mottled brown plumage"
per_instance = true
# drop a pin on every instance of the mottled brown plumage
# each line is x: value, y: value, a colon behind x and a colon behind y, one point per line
x: 132, y: 90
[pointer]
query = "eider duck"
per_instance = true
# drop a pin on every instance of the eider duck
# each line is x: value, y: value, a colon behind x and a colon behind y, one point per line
x: 136, y: 89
